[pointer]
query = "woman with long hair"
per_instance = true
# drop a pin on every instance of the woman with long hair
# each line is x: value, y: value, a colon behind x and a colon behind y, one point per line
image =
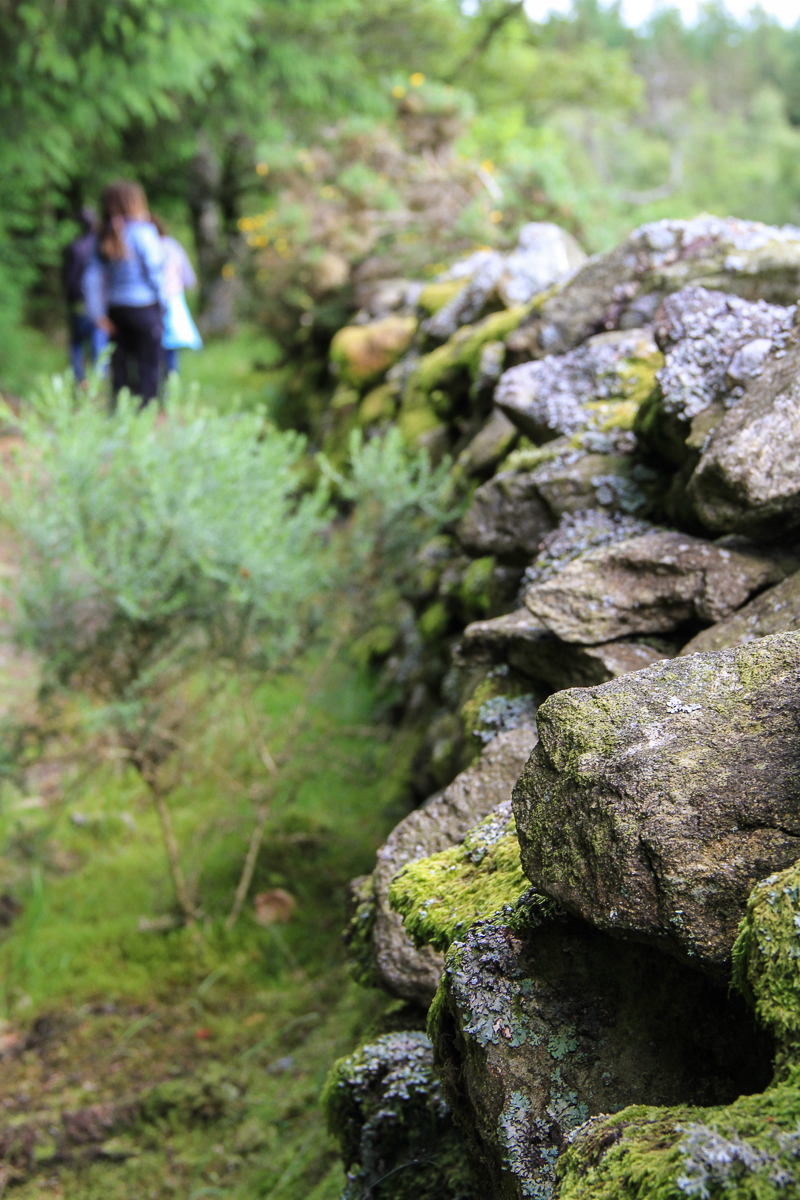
x: 124, y: 288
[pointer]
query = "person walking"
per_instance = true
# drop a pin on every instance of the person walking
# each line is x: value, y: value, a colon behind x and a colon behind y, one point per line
x: 82, y: 329
x: 180, y: 331
x: 124, y: 288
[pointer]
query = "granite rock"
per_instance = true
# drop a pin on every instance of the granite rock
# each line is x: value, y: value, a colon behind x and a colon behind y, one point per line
x: 775, y: 611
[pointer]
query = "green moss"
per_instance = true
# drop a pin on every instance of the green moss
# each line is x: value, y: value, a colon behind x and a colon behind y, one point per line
x: 358, y: 932
x: 494, y: 702
x: 413, y: 423
x: 766, y: 957
x: 458, y: 356
x: 374, y: 645
x: 378, y: 405
x: 436, y: 295
x: 475, y: 592
x: 434, y: 621
x: 441, y: 896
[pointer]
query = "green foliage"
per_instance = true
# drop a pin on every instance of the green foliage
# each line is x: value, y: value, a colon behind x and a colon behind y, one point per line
x: 400, y: 501
x: 145, y: 540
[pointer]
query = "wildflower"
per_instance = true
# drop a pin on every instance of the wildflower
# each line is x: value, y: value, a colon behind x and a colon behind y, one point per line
x: 262, y: 168
x: 228, y: 271
x: 417, y: 79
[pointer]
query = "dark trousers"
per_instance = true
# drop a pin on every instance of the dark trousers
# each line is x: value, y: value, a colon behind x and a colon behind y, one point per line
x: 137, y: 349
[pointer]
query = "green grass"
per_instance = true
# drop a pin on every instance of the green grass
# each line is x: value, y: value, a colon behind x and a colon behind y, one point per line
x: 208, y: 1047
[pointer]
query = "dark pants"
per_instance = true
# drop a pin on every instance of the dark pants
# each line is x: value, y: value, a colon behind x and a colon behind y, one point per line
x: 82, y: 329
x: 137, y: 349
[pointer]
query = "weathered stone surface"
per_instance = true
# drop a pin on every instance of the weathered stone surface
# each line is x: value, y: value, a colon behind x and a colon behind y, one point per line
x: 525, y: 643
x: 550, y: 396
x: 713, y: 344
x: 385, y: 1106
x: 651, y: 584
x: 360, y: 354
x: 653, y: 803
x: 575, y: 481
x: 748, y: 479
x: 623, y: 288
x: 507, y: 518
x: 490, y: 446
x: 397, y: 966
x: 544, y: 255
x: 542, y: 1021
x: 775, y: 611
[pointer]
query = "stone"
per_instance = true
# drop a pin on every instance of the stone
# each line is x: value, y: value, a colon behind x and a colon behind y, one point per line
x: 654, y: 583
x: 748, y: 478
x: 551, y: 396
x: 775, y: 611
x: 575, y: 481
x: 544, y: 254
x: 653, y: 803
x: 542, y: 1022
x: 507, y: 518
x: 489, y: 446
x: 527, y: 645
x: 384, y: 1105
x: 750, y: 1147
x: 622, y: 289
x: 440, y: 897
x: 713, y: 343
x: 361, y: 354
x: 384, y: 952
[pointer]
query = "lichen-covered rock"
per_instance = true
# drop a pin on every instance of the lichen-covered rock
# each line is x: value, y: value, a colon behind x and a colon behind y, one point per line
x: 552, y: 396
x: 361, y: 354
x: 507, y: 518
x: 384, y: 1105
x: 440, y: 897
x: 714, y: 343
x: 385, y: 953
x: 653, y: 803
x: 651, y: 584
x: 775, y: 611
x: 750, y: 1148
x: 527, y: 645
x: 748, y: 478
x: 544, y: 254
x: 622, y: 289
x: 575, y: 481
x: 542, y: 1021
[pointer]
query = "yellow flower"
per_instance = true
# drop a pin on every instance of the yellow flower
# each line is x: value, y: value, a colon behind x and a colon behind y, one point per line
x: 228, y: 271
x: 495, y: 216
x: 398, y: 91
x: 488, y: 166
x: 417, y: 79
x: 244, y: 224
x: 262, y: 168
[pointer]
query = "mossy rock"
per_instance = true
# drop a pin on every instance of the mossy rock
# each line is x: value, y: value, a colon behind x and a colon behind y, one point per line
x: 435, y: 295
x: 361, y: 354
x: 441, y: 896
x: 379, y: 405
x: 460, y: 356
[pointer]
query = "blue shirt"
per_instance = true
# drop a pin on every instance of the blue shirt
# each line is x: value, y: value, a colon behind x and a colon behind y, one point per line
x: 134, y: 281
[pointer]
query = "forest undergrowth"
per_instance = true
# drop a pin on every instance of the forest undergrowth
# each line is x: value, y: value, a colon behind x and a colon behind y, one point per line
x: 146, y: 1056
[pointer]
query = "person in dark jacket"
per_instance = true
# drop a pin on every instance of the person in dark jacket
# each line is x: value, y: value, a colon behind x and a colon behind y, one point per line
x: 82, y: 329
x: 124, y: 287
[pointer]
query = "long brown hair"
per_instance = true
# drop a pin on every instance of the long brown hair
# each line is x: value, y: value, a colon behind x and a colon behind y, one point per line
x: 121, y: 200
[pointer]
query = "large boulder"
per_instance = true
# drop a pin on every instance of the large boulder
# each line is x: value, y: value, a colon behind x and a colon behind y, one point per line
x: 748, y: 479
x: 653, y: 583
x: 542, y: 1022
x: 555, y: 395
x: 622, y: 289
x: 507, y: 518
x: 378, y: 940
x: 775, y: 611
x: 653, y: 803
